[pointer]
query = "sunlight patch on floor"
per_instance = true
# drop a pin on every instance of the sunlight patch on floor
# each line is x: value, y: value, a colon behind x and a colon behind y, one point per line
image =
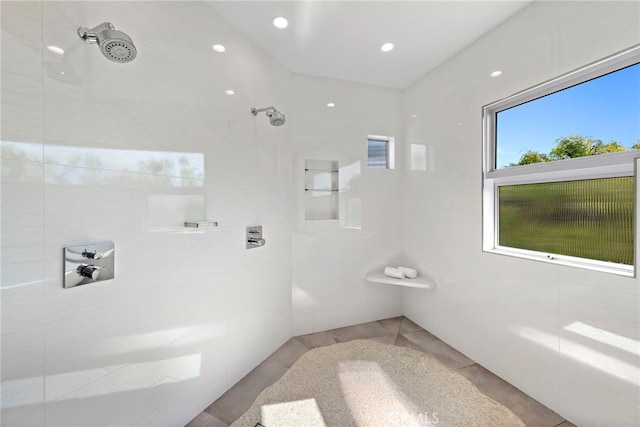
x: 296, y: 413
x: 364, y: 385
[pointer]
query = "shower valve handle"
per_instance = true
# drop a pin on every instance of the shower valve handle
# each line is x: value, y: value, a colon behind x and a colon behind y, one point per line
x: 89, y: 271
x: 92, y: 254
x: 256, y: 242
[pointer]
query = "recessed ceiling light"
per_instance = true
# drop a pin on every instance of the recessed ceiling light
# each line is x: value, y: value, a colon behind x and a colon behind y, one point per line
x: 56, y: 49
x: 331, y: 105
x: 496, y: 73
x: 413, y: 116
x: 219, y: 48
x: 229, y: 92
x: 280, y: 22
x: 386, y: 47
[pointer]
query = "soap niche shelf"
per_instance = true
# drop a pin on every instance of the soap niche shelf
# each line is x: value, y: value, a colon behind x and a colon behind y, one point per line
x: 321, y: 188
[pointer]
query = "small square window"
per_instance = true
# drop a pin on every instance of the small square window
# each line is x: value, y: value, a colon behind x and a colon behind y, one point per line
x: 380, y: 152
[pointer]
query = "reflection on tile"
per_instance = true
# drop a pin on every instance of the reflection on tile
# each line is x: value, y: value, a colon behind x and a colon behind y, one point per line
x: 288, y: 353
x: 97, y: 176
x: 408, y: 326
x: 393, y: 324
x: 237, y: 400
x: 132, y: 389
x: 186, y: 166
x: 144, y: 202
x: 361, y: 331
x: 384, y: 339
x: 25, y: 151
x: 204, y: 419
x: 428, y: 343
x: 418, y: 157
x: 22, y: 334
x: 530, y: 411
x: 318, y: 339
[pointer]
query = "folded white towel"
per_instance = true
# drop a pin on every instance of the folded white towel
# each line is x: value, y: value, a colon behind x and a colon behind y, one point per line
x: 393, y: 272
x: 408, y: 272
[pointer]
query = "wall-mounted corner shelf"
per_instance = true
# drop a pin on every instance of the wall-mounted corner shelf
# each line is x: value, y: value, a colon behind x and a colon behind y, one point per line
x: 418, y: 282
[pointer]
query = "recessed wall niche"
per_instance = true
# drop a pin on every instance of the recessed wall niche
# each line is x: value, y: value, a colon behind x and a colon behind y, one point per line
x: 321, y: 189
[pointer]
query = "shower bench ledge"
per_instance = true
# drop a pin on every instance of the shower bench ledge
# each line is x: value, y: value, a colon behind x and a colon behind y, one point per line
x: 418, y: 282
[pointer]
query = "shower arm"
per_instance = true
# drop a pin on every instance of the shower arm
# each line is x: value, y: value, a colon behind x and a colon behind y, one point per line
x: 91, y: 35
x: 255, y: 111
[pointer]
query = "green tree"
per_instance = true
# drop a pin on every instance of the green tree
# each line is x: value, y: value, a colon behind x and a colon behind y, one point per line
x: 531, y: 157
x: 571, y: 147
x: 601, y: 148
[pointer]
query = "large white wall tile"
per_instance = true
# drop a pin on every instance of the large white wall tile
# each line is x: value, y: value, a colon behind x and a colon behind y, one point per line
x: 22, y: 296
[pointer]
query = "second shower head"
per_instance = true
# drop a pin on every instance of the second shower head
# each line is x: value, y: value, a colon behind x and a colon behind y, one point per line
x: 115, y: 45
x: 276, y: 118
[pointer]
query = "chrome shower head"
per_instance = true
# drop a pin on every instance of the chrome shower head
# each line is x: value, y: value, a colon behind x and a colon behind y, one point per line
x: 276, y: 118
x: 114, y: 44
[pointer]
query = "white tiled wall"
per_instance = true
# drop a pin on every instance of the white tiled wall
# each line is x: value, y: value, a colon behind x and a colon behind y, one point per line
x: 511, y: 315
x: 128, y: 152
x: 22, y: 298
x: 331, y: 257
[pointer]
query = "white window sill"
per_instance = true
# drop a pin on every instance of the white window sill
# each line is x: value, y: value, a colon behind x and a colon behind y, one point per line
x: 587, y: 264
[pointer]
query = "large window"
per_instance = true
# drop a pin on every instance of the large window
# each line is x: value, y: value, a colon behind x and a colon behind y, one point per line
x: 559, y: 176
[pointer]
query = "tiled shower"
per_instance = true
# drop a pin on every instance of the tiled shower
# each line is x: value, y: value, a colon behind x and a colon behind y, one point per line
x: 94, y: 150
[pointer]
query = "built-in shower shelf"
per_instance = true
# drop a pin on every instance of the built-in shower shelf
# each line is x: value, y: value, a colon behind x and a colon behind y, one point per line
x: 321, y: 187
x: 418, y: 282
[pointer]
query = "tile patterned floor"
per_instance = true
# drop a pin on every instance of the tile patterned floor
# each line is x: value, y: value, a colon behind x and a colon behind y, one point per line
x: 399, y: 331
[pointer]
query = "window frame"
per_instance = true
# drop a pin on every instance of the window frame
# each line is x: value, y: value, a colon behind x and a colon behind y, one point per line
x: 590, y: 167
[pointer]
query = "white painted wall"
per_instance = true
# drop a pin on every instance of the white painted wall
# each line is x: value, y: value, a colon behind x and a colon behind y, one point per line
x: 511, y: 315
x: 330, y: 258
x: 95, y: 154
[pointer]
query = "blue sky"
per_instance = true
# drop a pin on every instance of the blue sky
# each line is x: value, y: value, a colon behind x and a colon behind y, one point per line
x: 607, y: 108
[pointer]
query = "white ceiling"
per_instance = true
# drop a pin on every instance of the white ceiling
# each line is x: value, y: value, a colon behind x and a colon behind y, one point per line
x: 342, y: 39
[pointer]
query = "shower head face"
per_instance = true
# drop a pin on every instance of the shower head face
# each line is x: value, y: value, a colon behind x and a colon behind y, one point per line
x: 118, y: 47
x: 276, y: 118
x: 115, y: 45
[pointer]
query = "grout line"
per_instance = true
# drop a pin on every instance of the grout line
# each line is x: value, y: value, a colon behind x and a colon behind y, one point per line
x: 466, y: 366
